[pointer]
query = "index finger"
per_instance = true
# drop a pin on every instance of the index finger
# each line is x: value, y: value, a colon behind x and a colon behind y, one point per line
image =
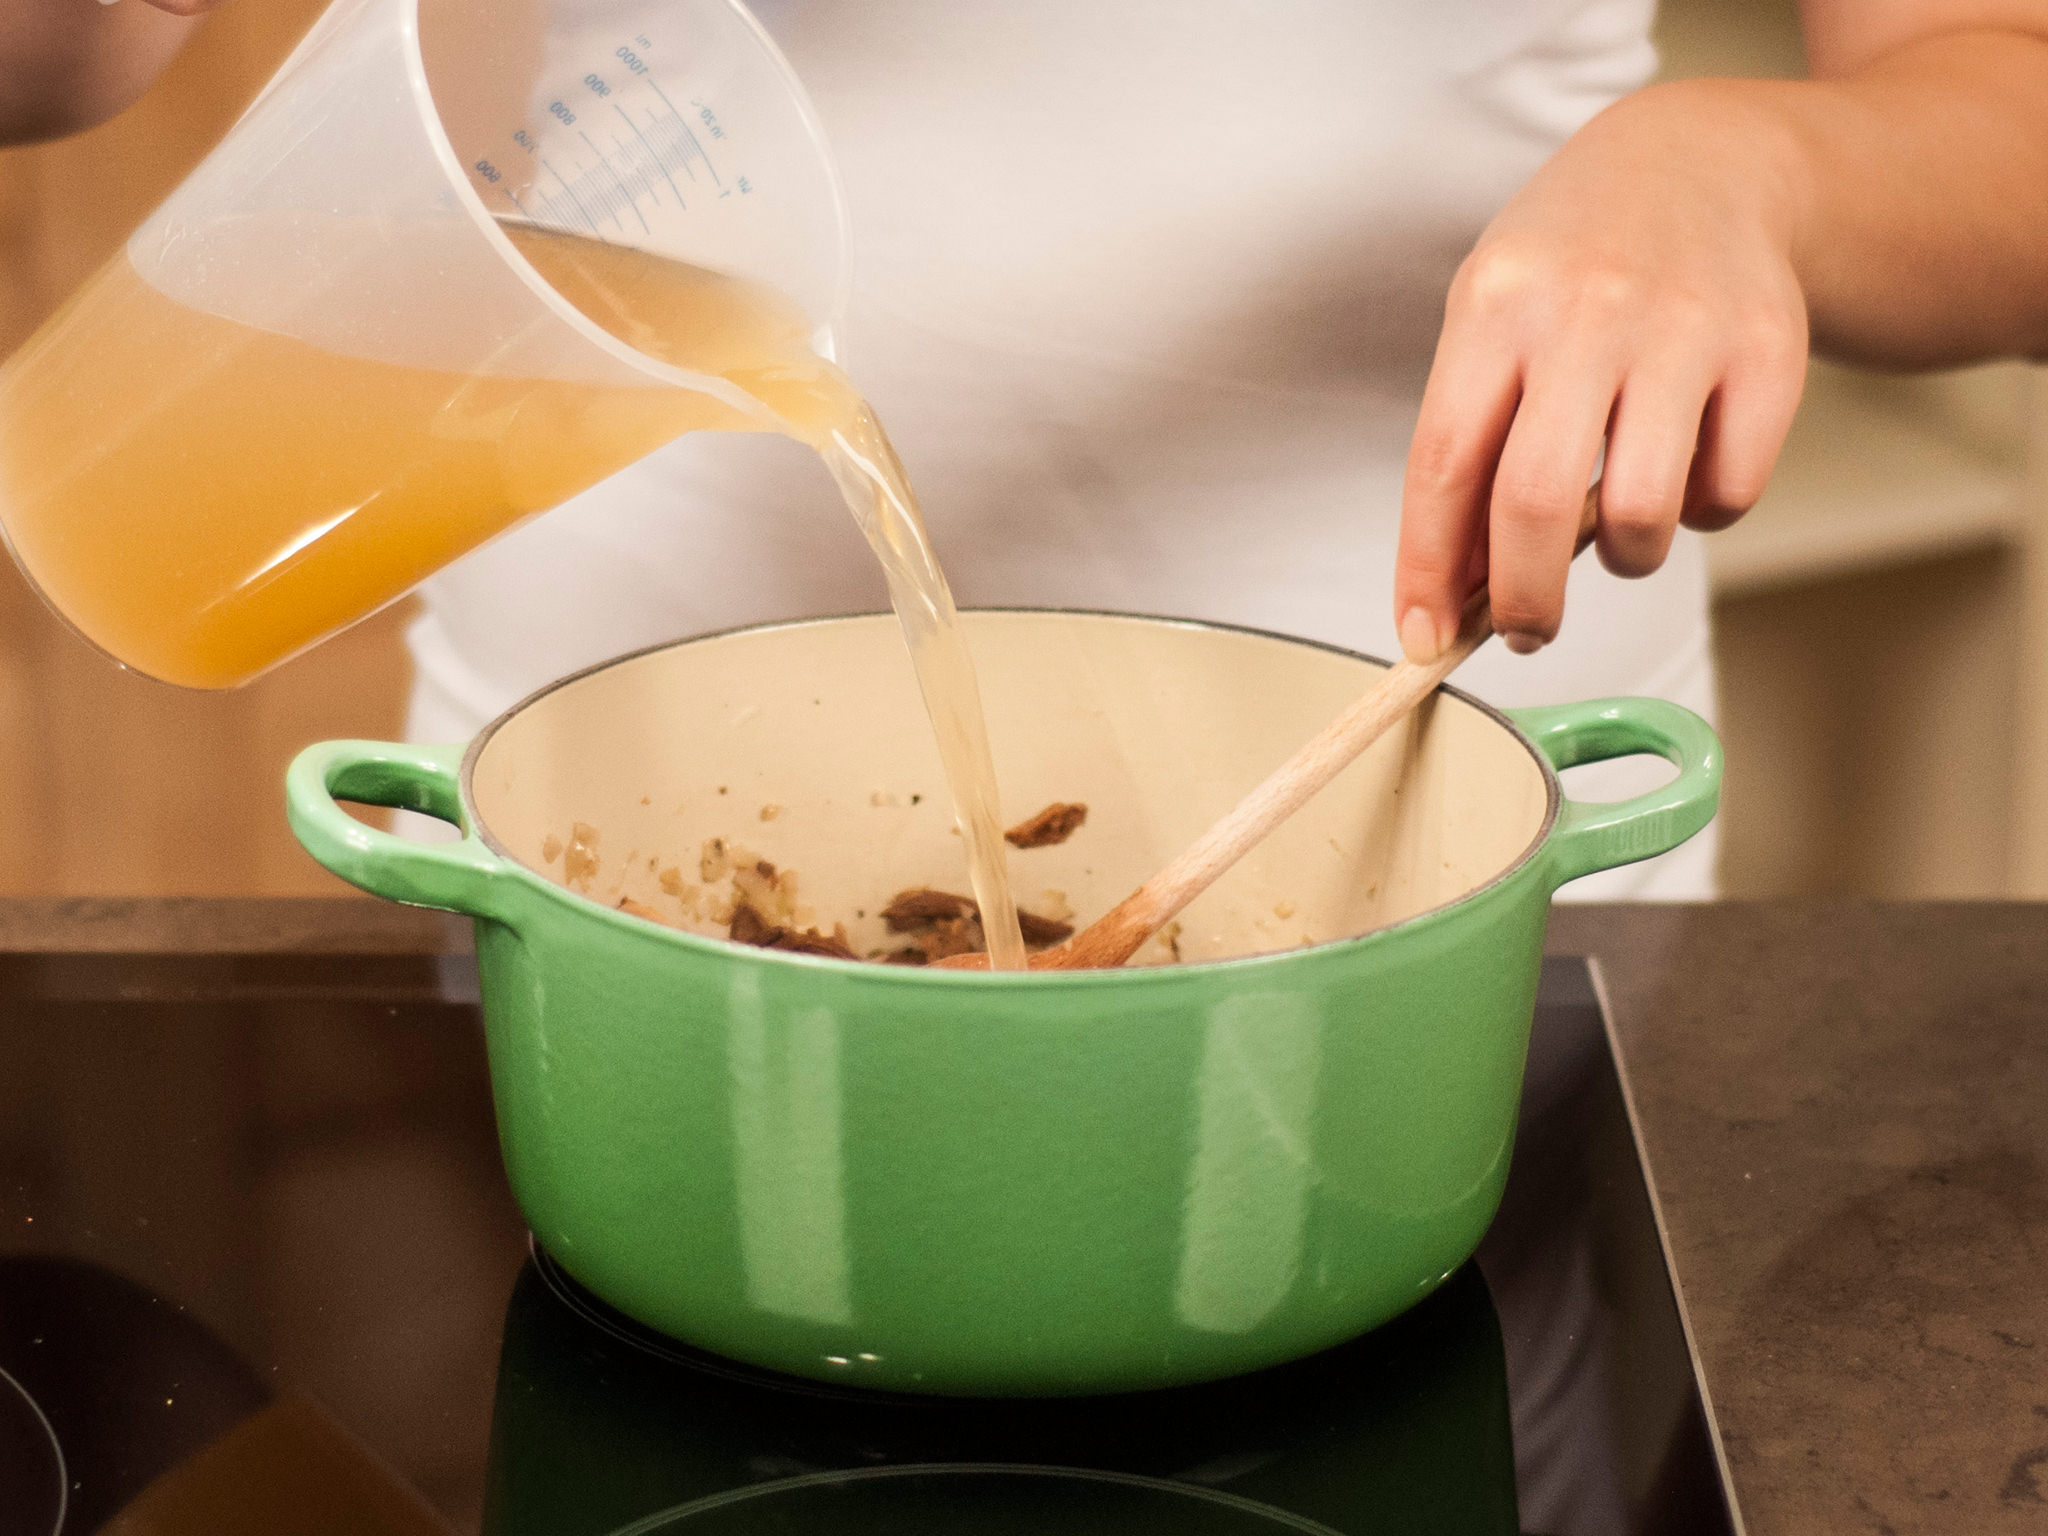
x: 1467, y: 407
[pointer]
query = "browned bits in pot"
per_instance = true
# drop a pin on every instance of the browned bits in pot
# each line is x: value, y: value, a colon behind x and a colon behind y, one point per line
x: 761, y: 908
x: 940, y: 925
x: 757, y: 883
x: 952, y: 936
x: 1055, y: 824
x: 832, y: 945
x: 750, y: 927
x: 579, y: 859
x: 550, y: 848
x: 640, y: 909
x: 910, y: 909
x: 1040, y: 931
x: 714, y: 862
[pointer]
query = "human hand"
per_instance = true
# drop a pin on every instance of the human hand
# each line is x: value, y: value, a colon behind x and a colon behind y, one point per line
x: 1639, y: 292
x: 68, y: 64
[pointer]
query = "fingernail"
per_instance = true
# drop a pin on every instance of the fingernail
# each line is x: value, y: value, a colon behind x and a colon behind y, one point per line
x: 1419, y: 640
x: 1522, y: 644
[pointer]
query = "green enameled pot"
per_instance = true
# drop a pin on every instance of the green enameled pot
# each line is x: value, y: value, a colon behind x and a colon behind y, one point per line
x: 994, y: 1184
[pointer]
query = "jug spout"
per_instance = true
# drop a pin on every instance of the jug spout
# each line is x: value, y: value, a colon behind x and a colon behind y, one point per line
x: 333, y: 358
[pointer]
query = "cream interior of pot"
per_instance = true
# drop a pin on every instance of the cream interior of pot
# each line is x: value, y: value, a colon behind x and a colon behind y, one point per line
x: 807, y: 746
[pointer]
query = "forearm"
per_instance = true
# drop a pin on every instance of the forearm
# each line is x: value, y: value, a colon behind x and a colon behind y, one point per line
x: 1912, y: 192
x: 1647, y: 300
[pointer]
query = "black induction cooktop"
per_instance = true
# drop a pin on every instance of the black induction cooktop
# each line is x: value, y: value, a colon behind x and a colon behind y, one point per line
x: 259, y: 1273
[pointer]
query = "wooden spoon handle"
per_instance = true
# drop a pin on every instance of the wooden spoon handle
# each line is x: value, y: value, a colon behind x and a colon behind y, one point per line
x: 1115, y: 936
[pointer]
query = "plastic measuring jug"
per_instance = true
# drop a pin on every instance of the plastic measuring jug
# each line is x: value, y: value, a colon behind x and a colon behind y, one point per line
x: 330, y: 363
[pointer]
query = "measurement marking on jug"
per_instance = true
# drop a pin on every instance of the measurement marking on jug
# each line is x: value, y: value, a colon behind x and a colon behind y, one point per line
x: 625, y: 193
x: 601, y: 185
x: 638, y: 175
x: 606, y: 197
x: 660, y: 140
x: 673, y: 156
x: 682, y: 123
x: 683, y: 159
x: 632, y: 172
x: 662, y: 149
x: 570, y: 192
x: 701, y: 155
x: 652, y: 155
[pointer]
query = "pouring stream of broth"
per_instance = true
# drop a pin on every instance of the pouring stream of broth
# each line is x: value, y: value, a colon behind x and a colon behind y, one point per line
x: 750, y: 336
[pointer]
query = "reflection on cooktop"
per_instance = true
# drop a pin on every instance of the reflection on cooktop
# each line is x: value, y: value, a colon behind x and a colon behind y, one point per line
x: 599, y: 1425
x: 33, y: 1484
x: 989, y: 1501
x: 301, y: 1153
x: 125, y: 1386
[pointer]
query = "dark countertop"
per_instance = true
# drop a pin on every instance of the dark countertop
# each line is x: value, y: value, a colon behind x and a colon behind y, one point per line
x: 1842, y: 1110
x: 224, y: 925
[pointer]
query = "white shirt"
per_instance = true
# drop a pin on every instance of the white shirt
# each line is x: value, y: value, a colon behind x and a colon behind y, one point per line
x: 1146, y: 293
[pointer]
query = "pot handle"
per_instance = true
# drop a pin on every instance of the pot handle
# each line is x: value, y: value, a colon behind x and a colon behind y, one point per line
x: 1591, y: 836
x: 464, y: 877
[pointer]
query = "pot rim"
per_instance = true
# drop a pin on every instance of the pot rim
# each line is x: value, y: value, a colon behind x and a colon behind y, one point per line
x: 1120, y: 975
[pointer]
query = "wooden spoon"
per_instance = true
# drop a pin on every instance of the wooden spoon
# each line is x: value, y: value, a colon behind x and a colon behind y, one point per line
x: 1115, y: 936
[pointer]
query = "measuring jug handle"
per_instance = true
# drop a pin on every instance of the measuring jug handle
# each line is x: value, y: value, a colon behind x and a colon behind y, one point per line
x: 465, y: 876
